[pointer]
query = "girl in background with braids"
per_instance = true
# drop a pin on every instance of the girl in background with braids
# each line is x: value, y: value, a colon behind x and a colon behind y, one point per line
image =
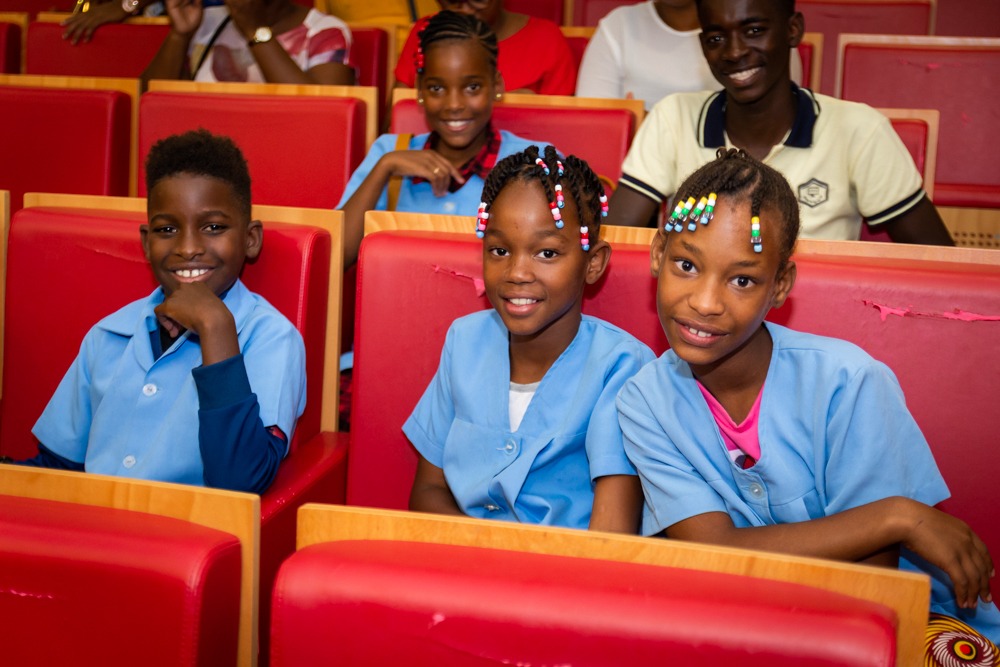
x: 443, y: 171
x: 747, y: 434
x: 519, y: 421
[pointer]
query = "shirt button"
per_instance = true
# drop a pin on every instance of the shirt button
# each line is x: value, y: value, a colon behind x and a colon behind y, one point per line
x: 510, y: 446
x: 491, y: 507
x: 756, y: 490
x: 128, y: 461
x: 149, y: 389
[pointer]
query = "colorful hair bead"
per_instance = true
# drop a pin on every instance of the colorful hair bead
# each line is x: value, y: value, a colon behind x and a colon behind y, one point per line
x: 604, y: 205
x: 585, y: 238
x: 541, y: 163
x: 560, y: 200
x: 559, y: 168
x: 481, y: 219
x: 755, y: 234
x: 556, y: 215
x: 709, y: 209
x: 418, y: 60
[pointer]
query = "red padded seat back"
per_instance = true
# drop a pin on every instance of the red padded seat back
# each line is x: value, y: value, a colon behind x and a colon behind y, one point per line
x: 91, y: 586
x: 806, y: 56
x: 32, y: 7
x: 373, y: 603
x: 370, y: 55
x: 117, y: 49
x: 938, y: 76
x: 68, y: 268
x: 935, y: 325
x: 589, y: 12
x: 571, y: 130
x: 10, y: 48
x: 551, y: 10
x: 833, y: 17
x: 968, y: 18
x: 72, y: 141
x: 301, y: 150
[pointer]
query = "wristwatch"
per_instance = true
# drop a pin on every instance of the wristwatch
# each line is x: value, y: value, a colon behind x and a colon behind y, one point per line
x: 130, y: 7
x: 261, y: 35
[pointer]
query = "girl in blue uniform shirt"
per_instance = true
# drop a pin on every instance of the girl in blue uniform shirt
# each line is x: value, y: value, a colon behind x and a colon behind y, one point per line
x: 519, y: 421
x: 748, y: 434
x: 443, y: 171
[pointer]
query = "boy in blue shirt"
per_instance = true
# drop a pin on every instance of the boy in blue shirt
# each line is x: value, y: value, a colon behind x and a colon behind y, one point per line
x: 201, y: 382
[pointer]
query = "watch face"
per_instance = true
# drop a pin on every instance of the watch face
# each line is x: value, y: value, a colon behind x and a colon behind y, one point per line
x: 263, y: 34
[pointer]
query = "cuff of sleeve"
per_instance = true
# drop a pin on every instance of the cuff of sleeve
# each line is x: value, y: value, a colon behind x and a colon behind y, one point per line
x: 221, y: 384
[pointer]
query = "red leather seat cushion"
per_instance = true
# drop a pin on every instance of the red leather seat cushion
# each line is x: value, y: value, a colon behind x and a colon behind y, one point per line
x: 85, y: 585
x: 117, y: 50
x: 301, y: 150
x: 383, y: 603
x: 74, y: 141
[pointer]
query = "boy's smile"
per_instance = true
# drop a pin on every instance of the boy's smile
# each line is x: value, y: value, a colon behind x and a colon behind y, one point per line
x: 197, y: 232
x: 535, y: 272
x: 713, y: 290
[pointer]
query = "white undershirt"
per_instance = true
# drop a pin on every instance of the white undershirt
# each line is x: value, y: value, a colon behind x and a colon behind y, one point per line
x: 519, y: 398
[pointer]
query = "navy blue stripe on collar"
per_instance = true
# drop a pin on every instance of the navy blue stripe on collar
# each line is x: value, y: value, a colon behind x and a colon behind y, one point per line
x: 712, y: 120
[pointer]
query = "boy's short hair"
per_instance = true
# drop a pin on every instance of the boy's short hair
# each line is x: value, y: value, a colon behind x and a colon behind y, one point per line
x: 786, y: 6
x: 201, y: 153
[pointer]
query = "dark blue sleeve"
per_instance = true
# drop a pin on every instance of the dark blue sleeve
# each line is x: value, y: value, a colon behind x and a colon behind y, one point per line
x: 237, y: 451
x: 46, y: 458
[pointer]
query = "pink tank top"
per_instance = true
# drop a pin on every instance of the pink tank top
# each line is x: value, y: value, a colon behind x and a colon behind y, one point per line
x: 741, y: 440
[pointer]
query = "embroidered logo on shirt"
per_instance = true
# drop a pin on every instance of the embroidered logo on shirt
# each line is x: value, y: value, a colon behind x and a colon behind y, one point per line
x: 813, y: 192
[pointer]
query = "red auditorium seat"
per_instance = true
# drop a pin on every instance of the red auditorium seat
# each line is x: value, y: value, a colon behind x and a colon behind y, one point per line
x: 551, y: 10
x: 883, y: 17
x: 811, y: 54
x: 301, y: 149
x: 85, y: 585
x: 32, y: 7
x: 936, y: 73
x: 116, y: 50
x: 10, y: 47
x: 578, y: 38
x: 371, y: 53
x: 63, y: 140
x: 899, y: 310
x: 589, y: 12
x: 570, y: 127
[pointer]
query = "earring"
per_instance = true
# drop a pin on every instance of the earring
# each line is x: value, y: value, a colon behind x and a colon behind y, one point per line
x: 499, y: 96
x: 420, y: 101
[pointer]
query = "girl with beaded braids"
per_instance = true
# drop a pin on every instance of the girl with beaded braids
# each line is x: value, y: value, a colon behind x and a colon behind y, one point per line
x: 748, y: 434
x: 442, y: 171
x: 519, y: 421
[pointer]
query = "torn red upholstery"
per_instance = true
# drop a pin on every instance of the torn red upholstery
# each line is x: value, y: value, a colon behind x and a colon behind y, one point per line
x: 121, y: 50
x: 937, y: 74
x: 93, y: 586
x: 301, y: 150
x: 570, y: 129
x: 936, y: 325
x: 374, y: 603
x: 60, y: 140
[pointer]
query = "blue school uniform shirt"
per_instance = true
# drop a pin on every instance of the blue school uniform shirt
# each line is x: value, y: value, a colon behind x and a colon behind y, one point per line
x: 834, y: 434
x: 418, y: 197
x: 123, y: 413
x: 542, y: 473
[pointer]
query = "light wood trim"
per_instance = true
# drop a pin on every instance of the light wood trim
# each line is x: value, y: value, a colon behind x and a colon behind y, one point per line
x: 228, y: 511
x: 128, y: 86
x: 331, y: 221
x: 4, y: 229
x: 973, y: 226
x: 568, y: 9
x: 59, y: 17
x: 932, y: 117
x: 21, y: 20
x: 367, y: 94
x: 560, y: 101
x: 578, y: 31
x: 904, y: 41
x: 889, y: 253
x: 815, y: 39
x: 907, y: 594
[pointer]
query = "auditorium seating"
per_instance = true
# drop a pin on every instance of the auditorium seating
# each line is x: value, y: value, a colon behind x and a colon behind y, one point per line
x: 115, y: 50
x: 885, y: 17
x: 551, y: 10
x: 70, y: 140
x: 302, y: 142
x: 374, y: 587
x: 578, y: 38
x: 110, y: 572
x: 373, y: 53
x: 589, y: 12
x: 10, y: 47
x: 898, y: 302
x: 811, y: 54
x: 569, y: 123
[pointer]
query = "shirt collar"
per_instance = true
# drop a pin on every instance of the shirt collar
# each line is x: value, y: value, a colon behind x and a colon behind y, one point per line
x: 713, y: 120
x: 479, y: 165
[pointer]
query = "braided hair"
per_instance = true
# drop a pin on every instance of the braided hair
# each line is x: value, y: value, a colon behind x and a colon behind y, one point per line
x: 737, y: 175
x: 571, y: 175
x: 448, y: 25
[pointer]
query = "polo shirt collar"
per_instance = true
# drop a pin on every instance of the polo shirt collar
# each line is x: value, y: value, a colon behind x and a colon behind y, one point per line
x: 713, y: 126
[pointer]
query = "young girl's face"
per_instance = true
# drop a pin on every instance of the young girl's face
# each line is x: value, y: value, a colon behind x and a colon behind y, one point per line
x: 458, y: 87
x: 713, y: 290
x: 534, y: 272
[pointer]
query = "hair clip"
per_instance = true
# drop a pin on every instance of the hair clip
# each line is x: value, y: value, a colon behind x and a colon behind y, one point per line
x: 604, y: 205
x: 755, y: 234
x: 585, y: 238
x: 560, y: 200
x: 481, y: 219
x: 541, y: 163
x: 556, y: 215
